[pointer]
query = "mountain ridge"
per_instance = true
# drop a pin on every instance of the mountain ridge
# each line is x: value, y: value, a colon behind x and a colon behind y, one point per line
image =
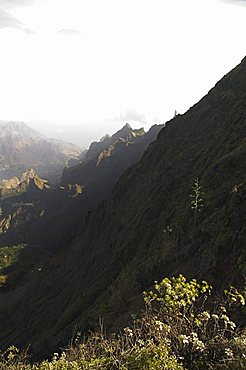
x: 107, y: 140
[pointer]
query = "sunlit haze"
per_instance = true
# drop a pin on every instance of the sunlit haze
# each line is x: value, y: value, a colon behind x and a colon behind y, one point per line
x: 76, y: 69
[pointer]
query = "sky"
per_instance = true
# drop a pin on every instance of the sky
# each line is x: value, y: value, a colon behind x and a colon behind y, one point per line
x: 78, y: 69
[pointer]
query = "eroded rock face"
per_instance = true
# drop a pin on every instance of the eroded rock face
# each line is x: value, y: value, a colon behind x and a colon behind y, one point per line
x: 108, y: 141
x: 24, y: 200
x: 10, y: 184
x: 27, y: 181
x: 126, y: 137
x: 5, y: 224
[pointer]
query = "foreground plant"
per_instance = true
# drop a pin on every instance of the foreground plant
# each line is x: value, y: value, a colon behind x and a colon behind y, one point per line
x: 182, y: 327
x: 198, y: 327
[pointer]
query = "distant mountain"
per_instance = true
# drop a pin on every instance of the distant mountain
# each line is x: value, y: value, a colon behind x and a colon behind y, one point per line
x: 147, y: 227
x: 22, y: 148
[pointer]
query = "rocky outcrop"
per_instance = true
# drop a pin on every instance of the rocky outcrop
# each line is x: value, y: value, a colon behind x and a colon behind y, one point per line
x: 107, y: 141
x: 28, y: 202
x: 28, y: 181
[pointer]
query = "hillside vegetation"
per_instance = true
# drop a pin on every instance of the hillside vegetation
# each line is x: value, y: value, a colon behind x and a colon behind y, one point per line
x: 179, y: 329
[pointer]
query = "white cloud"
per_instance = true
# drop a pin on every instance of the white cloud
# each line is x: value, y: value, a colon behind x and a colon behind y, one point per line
x: 130, y: 115
x: 235, y: 2
x: 9, y: 21
x: 68, y: 31
x: 16, y: 3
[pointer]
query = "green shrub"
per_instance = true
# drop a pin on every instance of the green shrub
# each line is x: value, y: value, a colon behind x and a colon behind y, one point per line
x: 198, y: 326
x: 182, y: 327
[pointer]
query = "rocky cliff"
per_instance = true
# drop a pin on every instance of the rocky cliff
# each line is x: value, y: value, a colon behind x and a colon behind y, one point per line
x: 27, y: 181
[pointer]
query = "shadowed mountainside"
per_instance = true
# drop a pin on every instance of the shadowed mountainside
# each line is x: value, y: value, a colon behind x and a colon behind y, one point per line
x: 26, y: 202
x: 148, y: 228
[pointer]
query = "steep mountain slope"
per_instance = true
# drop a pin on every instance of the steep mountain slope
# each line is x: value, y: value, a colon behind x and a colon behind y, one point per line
x: 21, y: 148
x: 147, y: 227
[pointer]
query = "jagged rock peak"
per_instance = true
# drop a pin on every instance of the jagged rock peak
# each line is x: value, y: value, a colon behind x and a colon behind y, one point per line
x: 30, y: 174
x: 105, y: 137
x: 127, y: 125
x: 31, y: 177
x: 27, y: 178
x: 128, y: 131
x: 125, y: 131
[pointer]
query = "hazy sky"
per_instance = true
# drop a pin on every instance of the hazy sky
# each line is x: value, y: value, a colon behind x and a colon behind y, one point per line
x: 76, y: 69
